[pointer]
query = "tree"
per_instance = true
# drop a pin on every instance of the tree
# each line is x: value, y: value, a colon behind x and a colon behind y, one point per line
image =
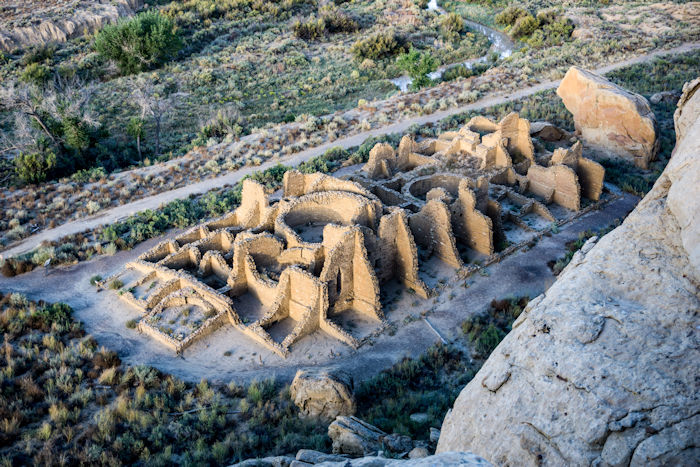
x: 34, y: 167
x: 135, y: 130
x: 29, y: 103
x: 156, y: 104
x: 140, y: 43
x: 418, y: 66
x: 53, y: 128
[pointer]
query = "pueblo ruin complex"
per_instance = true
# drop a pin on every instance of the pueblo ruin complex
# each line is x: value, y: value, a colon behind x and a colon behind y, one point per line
x: 316, y: 257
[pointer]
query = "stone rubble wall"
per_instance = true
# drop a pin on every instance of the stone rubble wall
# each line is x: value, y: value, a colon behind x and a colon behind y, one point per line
x: 322, y: 252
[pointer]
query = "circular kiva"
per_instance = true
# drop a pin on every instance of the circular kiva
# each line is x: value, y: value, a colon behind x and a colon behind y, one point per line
x: 322, y: 208
x: 420, y: 186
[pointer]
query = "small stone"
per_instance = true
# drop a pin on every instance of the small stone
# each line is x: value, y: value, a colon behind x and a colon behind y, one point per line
x: 316, y: 457
x: 418, y: 453
x: 419, y: 417
x: 434, y: 435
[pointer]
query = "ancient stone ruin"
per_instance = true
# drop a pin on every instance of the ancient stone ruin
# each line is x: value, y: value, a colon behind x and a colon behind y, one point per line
x: 314, y: 257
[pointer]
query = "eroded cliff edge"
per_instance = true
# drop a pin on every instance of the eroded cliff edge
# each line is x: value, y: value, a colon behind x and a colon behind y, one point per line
x: 603, y: 368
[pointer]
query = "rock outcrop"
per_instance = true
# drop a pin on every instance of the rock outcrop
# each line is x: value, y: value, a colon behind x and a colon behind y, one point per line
x: 451, y: 459
x: 610, y: 119
x: 350, y: 435
x: 78, y: 19
x: 323, y: 394
x: 602, y: 368
x: 355, y: 437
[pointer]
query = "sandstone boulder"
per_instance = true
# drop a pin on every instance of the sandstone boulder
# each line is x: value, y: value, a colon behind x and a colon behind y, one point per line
x: 451, y: 459
x: 669, y: 97
x: 418, y: 453
x: 316, y: 457
x: 548, y: 132
x: 610, y: 119
x: 350, y: 435
x: 687, y: 110
x: 602, y: 368
x: 323, y: 394
x: 275, y: 461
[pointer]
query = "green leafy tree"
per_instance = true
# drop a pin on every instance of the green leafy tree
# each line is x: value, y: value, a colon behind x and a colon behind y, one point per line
x: 141, y: 43
x: 34, y: 167
x: 417, y: 65
x: 135, y: 130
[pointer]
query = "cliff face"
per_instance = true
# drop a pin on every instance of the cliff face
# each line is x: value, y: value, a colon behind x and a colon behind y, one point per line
x: 78, y: 20
x: 602, y: 368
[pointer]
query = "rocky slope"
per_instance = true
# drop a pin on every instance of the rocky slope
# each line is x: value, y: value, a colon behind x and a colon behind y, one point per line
x: 30, y: 23
x: 603, y: 368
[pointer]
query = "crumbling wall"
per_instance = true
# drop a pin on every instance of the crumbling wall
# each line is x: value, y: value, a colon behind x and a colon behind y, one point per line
x: 315, y: 258
x: 351, y: 279
x: 432, y: 229
x: 590, y: 173
x: 472, y: 226
x: 558, y: 184
x: 397, y: 255
x: 517, y: 131
x: 381, y: 162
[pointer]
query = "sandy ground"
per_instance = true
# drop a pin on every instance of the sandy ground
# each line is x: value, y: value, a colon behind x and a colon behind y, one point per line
x: 405, y: 334
x: 153, y: 202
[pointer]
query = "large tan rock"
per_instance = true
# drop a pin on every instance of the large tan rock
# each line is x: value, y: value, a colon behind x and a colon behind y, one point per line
x: 353, y: 436
x: 610, y: 119
x: 323, y: 394
x: 603, y: 368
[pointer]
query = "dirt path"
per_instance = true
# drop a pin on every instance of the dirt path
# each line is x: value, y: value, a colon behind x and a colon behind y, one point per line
x: 153, y: 202
x: 228, y: 355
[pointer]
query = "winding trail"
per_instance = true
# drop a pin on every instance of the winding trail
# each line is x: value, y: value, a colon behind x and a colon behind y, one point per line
x: 153, y: 202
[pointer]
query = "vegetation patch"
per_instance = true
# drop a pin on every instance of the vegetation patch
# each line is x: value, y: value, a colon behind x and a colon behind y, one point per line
x: 65, y: 400
x: 430, y: 383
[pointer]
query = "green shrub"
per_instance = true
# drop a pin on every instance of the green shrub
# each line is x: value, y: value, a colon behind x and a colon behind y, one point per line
x: 34, y: 167
x: 39, y: 54
x: 116, y: 284
x: 311, y: 29
x: 35, y: 73
x: 379, y: 46
x: 510, y: 15
x: 140, y: 43
x: 95, y: 279
x: 417, y: 65
x: 524, y: 26
x: 462, y: 71
x: 336, y: 21
x: 547, y: 16
x: 485, y: 331
x: 451, y: 26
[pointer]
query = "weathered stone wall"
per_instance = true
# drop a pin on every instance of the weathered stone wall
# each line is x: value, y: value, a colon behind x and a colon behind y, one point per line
x: 558, y: 184
x: 315, y: 258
